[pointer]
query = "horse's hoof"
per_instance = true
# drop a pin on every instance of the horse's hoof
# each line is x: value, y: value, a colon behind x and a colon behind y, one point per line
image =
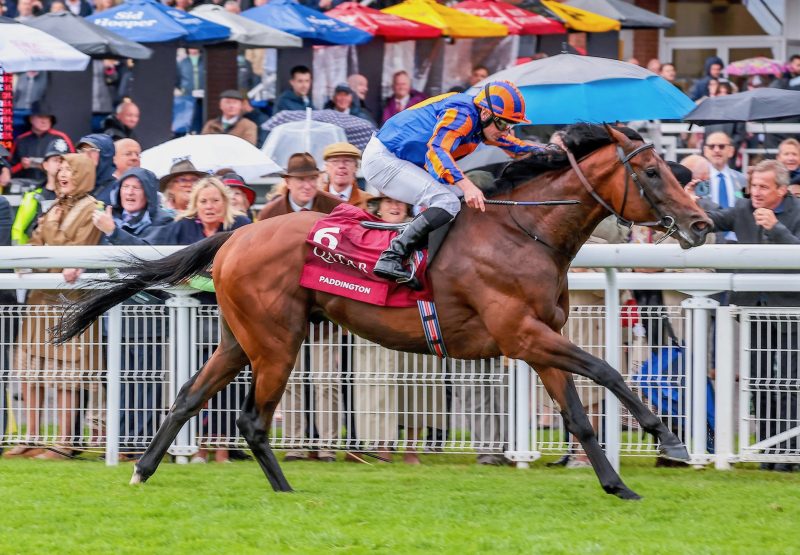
x: 627, y: 494
x: 137, y: 477
x: 676, y: 452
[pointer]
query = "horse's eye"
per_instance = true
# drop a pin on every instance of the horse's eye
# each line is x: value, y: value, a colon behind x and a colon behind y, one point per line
x: 651, y: 172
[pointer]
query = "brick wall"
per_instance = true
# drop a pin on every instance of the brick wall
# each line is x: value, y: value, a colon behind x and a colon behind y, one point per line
x: 645, y: 41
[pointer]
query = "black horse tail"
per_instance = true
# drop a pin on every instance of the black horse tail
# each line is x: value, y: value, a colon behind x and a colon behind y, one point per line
x: 140, y: 275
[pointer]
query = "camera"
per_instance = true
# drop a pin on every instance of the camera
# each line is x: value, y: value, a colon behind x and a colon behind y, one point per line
x: 702, y: 188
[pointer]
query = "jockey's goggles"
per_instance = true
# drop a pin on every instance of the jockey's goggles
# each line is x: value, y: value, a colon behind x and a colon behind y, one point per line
x: 502, y: 125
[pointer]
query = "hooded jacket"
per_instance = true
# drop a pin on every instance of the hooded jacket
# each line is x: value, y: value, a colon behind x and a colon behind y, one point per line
x: 68, y: 222
x: 700, y: 88
x: 142, y: 225
x: 104, y: 180
x: 116, y: 129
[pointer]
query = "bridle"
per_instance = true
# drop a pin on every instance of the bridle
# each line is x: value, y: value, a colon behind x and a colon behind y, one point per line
x: 630, y: 175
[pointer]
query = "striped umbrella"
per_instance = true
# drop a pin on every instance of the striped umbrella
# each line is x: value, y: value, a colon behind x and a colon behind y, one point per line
x: 760, y: 65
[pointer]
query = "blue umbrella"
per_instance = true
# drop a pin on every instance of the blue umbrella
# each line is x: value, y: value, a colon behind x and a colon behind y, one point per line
x: 567, y: 89
x: 149, y: 21
x: 316, y: 27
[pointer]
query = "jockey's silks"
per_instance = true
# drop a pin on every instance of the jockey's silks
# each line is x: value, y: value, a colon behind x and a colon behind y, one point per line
x: 435, y: 133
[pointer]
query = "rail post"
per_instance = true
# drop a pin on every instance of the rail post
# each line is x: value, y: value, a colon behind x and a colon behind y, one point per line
x: 612, y: 352
x: 723, y: 390
x: 113, y: 384
x: 183, y: 339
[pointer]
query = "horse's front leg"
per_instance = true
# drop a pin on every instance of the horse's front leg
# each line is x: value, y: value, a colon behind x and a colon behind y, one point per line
x: 542, y: 347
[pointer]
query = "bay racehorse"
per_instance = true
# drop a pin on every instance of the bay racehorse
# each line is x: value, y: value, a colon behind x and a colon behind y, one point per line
x: 499, y: 282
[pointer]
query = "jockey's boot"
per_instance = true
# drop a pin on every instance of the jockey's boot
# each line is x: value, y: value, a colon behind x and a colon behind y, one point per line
x: 390, y: 264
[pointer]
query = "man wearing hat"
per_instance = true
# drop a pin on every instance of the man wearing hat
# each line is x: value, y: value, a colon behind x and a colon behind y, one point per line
x: 345, y: 101
x: 341, y: 164
x: 178, y: 183
x: 301, y: 192
x: 30, y: 147
x: 231, y: 121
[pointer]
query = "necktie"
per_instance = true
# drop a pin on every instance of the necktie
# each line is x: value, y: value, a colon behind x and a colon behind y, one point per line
x: 723, y: 192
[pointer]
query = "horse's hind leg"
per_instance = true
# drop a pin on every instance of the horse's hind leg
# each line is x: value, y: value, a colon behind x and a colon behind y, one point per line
x: 561, y: 388
x: 224, y: 365
x: 254, y: 422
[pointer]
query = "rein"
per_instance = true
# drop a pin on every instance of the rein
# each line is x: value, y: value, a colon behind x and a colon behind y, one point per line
x: 625, y: 160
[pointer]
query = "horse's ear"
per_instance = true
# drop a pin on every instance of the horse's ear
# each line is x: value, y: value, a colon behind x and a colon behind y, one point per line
x: 616, y: 136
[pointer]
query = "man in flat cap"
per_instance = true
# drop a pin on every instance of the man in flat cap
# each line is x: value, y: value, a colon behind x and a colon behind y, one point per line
x: 231, y: 121
x: 341, y: 164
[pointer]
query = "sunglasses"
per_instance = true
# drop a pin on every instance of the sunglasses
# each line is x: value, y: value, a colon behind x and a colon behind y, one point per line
x: 717, y: 146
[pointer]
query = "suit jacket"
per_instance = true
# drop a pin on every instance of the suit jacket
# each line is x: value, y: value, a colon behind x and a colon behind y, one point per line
x: 323, y: 202
x: 739, y: 219
x: 357, y: 196
x: 243, y: 128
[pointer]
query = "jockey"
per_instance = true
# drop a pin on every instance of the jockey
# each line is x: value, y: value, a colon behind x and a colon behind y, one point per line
x: 413, y: 159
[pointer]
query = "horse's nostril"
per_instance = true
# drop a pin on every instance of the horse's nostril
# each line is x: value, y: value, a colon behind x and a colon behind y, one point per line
x: 700, y: 226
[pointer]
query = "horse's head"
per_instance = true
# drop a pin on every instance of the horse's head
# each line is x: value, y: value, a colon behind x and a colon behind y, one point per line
x: 642, y: 190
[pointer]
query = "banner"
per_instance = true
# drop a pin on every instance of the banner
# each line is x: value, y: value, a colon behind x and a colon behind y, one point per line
x: 6, y: 109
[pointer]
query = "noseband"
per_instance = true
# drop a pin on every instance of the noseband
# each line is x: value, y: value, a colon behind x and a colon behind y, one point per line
x: 630, y: 175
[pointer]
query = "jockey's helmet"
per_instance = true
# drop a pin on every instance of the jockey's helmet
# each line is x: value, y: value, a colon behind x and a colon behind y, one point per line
x: 505, y: 101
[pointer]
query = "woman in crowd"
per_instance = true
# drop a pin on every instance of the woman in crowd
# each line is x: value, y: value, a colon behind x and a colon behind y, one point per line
x: 209, y: 212
x: 75, y: 365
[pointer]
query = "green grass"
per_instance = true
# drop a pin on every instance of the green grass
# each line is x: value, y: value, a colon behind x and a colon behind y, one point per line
x: 448, y: 505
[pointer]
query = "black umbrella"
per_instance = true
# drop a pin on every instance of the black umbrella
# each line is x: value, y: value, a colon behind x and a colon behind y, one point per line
x: 757, y: 105
x: 87, y: 37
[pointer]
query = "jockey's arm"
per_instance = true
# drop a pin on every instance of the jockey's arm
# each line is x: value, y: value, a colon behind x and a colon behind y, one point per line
x: 517, y: 148
x: 449, y: 132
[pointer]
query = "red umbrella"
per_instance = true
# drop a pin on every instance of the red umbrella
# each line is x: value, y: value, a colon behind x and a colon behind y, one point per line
x: 518, y: 21
x: 390, y: 27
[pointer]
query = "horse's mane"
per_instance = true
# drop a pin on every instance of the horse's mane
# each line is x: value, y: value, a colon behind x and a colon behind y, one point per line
x: 581, y: 138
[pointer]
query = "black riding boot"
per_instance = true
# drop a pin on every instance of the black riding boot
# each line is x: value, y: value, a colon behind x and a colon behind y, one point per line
x: 390, y: 264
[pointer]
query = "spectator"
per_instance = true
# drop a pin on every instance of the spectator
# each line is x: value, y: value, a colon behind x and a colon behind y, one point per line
x: 344, y: 101
x: 81, y: 8
x: 769, y: 216
x: 121, y: 124
x: 100, y: 148
x: 232, y: 6
x: 37, y: 201
x: 789, y: 156
x: 242, y: 196
x: 103, y: 5
x: 478, y: 74
x: 654, y: 65
x: 183, y: 5
x: 30, y: 147
x: 360, y: 85
x: 713, y: 70
x: 5, y: 168
x: 127, y: 155
x: 634, y: 61
x: 178, y: 183
x: 57, y: 6
x: 192, y: 82
x: 28, y: 9
x: 403, y: 96
x: 301, y: 194
x: 790, y: 80
x: 301, y: 191
x: 669, y: 73
x: 341, y: 165
x: 726, y: 183
x: 231, y: 121
x: 297, y: 96
x: 73, y: 365
x: 209, y: 212
x: 134, y: 215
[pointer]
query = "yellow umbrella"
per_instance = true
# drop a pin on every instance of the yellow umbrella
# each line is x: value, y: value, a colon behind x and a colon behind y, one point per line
x: 453, y: 23
x: 581, y: 20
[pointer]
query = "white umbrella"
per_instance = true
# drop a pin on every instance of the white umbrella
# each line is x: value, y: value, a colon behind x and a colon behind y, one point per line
x: 246, y: 31
x: 24, y: 48
x: 210, y: 153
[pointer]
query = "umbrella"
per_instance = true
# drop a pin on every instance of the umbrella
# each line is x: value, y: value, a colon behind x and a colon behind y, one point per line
x: 761, y: 104
x: 760, y: 65
x: 568, y: 89
x: 210, y: 153
x: 358, y: 131
x: 629, y: 16
x: 150, y: 21
x: 88, y: 38
x: 518, y: 21
x: 453, y: 23
x: 582, y: 20
x: 387, y: 26
x: 316, y: 27
x: 24, y: 48
x: 302, y: 136
x: 247, y: 32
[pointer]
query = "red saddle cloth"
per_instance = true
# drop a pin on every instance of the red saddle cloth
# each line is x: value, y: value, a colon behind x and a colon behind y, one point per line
x: 342, y: 256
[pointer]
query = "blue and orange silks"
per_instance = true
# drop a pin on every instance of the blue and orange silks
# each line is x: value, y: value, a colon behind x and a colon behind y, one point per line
x: 435, y: 133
